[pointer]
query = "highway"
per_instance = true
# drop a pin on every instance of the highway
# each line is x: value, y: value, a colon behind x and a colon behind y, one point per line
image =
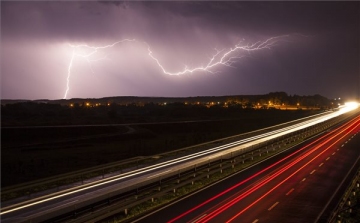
x: 50, y: 205
x: 297, y: 186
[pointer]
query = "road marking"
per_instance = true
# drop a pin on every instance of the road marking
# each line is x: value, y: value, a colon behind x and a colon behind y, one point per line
x: 312, y: 171
x: 256, y: 220
x: 199, y: 218
x: 333, y: 153
x: 328, y: 158
x: 337, y: 149
x: 304, y: 179
x: 290, y: 191
x: 273, y: 206
x: 321, y: 164
x: 342, y: 145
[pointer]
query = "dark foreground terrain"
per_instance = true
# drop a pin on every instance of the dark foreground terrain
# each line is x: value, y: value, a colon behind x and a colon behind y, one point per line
x: 45, y: 138
x: 30, y: 153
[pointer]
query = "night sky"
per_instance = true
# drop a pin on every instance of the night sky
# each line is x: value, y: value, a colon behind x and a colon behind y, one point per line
x: 317, y: 49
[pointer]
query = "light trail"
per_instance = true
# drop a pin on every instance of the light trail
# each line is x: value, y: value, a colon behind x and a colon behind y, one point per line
x: 133, y: 173
x: 243, y: 195
x: 246, y: 180
x: 267, y: 193
x: 234, y: 201
x: 235, y: 186
x: 200, y: 155
x: 255, y: 188
x: 222, y: 57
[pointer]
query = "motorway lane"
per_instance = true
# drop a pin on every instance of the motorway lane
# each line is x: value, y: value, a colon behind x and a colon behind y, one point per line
x: 270, y: 201
x: 268, y: 198
x: 303, y: 201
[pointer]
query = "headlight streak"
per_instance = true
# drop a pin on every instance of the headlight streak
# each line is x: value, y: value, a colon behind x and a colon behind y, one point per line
x: 219, y: 58
x: 151, y: 168
x: 216, y: 212
x: 260, y: 138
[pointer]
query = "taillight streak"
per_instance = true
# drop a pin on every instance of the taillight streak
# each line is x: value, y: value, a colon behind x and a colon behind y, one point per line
x: 230, y: 203
x: 279, y: 184
x: 253, y: 176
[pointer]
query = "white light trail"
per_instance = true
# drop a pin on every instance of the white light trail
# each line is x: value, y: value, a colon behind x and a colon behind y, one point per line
x: 196, y: 158
x: 220, y: 58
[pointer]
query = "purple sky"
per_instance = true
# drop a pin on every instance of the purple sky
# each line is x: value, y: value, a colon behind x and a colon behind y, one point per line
x: 319, y: 55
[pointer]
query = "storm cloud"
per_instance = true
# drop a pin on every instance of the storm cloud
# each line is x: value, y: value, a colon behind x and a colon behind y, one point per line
x: 320, y: 56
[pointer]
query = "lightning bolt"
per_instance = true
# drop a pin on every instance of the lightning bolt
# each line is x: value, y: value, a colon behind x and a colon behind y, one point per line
x: 87, y: 56
x: 220, y: 58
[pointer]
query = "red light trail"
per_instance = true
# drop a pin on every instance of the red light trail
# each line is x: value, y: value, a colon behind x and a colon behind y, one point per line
x: 234, y: 201
x: 229, y: 204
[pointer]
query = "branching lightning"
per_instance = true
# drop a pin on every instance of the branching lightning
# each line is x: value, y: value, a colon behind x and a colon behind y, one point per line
x: 87, y: 56
x: 220, y: 58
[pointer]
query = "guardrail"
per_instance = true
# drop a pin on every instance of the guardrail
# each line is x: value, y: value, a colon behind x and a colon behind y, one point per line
x: 348, y: 202
x: 170, y: 184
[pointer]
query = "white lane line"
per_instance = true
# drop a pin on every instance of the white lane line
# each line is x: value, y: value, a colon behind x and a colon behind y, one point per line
x: 256, y: 220
x: 342, y: 145
x: 290, y: 191
x: 333, y: 153
x: 312, y: 171
x: 328, y: 158
x: 321, y: 164
x: 304, y: 179
x: 273, y: 206
x: 199, y: 218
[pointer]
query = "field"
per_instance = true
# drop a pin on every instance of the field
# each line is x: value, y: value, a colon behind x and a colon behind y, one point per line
x: 38, y: 152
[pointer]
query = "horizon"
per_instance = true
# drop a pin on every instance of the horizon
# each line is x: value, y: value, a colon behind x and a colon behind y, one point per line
x: 132, y: 96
